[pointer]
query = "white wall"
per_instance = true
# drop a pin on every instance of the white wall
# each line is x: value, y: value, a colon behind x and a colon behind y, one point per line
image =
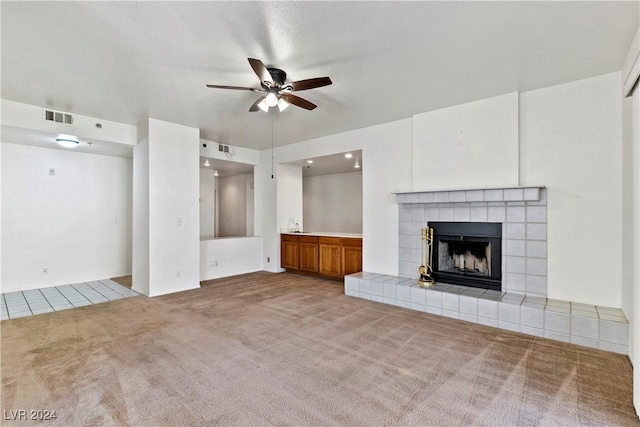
x: 230, y: 256
x: 333, y: 203
x: 76, y: 223
x: 472, y: 145
x: 140, y: 245
x: 289, y: 195
x: 207, y: 202
x: 571, y: 142
x: 232, y: 205
x: 173, y: 214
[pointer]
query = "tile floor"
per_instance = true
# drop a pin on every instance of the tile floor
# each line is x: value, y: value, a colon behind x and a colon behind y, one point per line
x: 46, y: 300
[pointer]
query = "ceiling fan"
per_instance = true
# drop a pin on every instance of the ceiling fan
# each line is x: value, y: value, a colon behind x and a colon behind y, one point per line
x: 276, y: 92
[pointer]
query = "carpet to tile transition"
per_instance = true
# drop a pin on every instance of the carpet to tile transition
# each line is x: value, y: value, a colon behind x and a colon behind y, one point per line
x: 284, y: 349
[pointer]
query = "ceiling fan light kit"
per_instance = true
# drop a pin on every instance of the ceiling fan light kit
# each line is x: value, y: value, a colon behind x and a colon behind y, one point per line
x: 278, y: 93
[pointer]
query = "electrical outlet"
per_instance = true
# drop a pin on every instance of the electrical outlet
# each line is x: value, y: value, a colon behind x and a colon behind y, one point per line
x: 216, y: 263
x: 45, y: 270
x: 178, y: 222
x: 178, y: 275
x: 52, y: 171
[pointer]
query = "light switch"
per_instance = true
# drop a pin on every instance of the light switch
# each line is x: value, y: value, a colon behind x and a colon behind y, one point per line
x: 178, y: 222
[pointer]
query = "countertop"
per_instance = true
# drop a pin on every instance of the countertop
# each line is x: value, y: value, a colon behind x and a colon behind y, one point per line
x: 324, y: 234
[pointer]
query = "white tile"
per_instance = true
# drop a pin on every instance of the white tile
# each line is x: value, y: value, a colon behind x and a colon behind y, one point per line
x: 531, y: 331
x: 457, y: 196
x: 461, y: 214
x: 478, y: 214
x: 417, y: 307
x: 403, y: 293
x: 390, y: 301
x: 537, y: 231
x: 351, y: 292
x: 537, y: 266
x: 532, y: 317
x: 468, y: 318
x: 585, y: 342
x: 516, y: 264
x: 488, y: 322
x: 509, y: 326
x: 450, y: 302
x: 516, y: 231
x: 377, y: 288
x: 536, y: 248
x: 513, y: 194
x: 487, y: 309
x: 536, y: 284
x: 412, y: 198
x: 364, y: 287
x: 351, y: 284
x: 515, y: 214
x: 418, y: 295
x: 426, y: 197
x: 537, y: 214
x: 615, y: 348
x: 531, y: 194
x: 556, y: 336
x: 403, y: 304
x: 611, y: 332
x: 514, y: 282
x: 509, y: 313
x: 446, y: 214
x: 389, y: 290
x: 468, y: 305
x: 516, y: 247
x: 433, y: 310
x: 584, y: 327
x: 441, y: 196
x: 377, y: 298
x: 434, y: 298
x: 475, y: 195
x: 496, y: 214
x: 556, y: 322
x: 493, y: 195
x: 451, y: 314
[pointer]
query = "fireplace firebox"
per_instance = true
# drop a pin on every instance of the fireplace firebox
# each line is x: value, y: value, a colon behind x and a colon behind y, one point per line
x: 468, y: 253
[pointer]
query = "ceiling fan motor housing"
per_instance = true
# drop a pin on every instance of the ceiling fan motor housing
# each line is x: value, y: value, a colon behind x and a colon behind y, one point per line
x: 278, y: 76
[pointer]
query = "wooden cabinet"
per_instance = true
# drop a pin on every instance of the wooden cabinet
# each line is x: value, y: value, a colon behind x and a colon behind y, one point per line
x: 289, y: 252
x: 351, y: 252
x: 330, y: 257
x: 309, y: 254
x: 327, y: 256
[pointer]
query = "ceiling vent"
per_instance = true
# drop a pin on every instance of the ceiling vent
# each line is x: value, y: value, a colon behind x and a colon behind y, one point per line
x: 223, y: 148
x: 58, y: 117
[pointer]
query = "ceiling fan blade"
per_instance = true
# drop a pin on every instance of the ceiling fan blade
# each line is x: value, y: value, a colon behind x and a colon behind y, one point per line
x: 255, y: 107
x: 311, y: 83
x: 297, y: 101
x: 234, y: 87
x: 261, y: 71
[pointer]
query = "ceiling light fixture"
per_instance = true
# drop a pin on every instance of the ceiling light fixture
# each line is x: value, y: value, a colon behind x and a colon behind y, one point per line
x: 282, y: 104
x: 215, y: 172
x: 206, y: 163
x: 271, y: 99
x: 263, y: 106
x: 309, y: 161
x: 348, y: 155
x: 68, y: 141
x: 357, y: 165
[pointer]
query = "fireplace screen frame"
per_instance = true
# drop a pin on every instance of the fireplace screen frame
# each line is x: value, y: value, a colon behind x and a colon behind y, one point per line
x: 473, y: 232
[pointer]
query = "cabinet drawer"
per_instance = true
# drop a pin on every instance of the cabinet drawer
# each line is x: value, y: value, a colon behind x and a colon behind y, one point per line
x: 308, y: 239
x: 289, y: 238
x: 329, y: 240
x: 352, y: 241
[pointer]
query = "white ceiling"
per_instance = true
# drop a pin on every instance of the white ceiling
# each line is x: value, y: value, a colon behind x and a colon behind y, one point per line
x: 124, y: 61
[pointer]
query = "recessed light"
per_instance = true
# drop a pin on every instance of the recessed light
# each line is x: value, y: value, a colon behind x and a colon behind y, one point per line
x: 348, y: 155
x: 357, y: 165
x: 206, y: 163
x: 309, y: 161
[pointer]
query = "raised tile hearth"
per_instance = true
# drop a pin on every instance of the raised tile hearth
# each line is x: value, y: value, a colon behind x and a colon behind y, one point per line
x: 587, y: 325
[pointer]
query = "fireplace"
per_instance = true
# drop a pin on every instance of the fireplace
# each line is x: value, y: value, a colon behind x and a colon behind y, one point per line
x: 468, y: 253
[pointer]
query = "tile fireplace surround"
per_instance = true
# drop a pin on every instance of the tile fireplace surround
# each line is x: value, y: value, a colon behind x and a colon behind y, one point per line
x: 522, y: 305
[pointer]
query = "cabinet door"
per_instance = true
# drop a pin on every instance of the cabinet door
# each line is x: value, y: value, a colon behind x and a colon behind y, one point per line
x: 351, y: 260
x: 330, y: 260
x: 289, y: 252
x: 309, y: 254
